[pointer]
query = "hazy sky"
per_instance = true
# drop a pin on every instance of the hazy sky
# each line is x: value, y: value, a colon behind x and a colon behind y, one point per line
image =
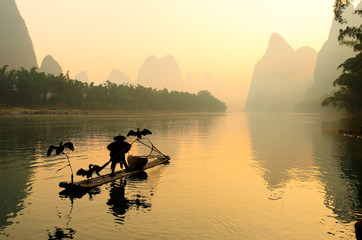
x: 224, y: 38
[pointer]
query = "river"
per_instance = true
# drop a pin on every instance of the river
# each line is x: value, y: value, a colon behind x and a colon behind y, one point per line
x: 231, y: 176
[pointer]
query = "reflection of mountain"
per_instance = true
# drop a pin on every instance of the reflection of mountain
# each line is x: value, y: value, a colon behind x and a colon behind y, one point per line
x: 278, y: 147
x: 15, y: 168
x: 15, y: 186
x: 281, y: 77
x: 16, y: 48
x: 341, y: 170
x: 288, y: 147
x: 21, y: 141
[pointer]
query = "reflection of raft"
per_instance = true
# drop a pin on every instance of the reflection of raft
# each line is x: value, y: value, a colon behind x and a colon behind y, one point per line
x: 152, y: 161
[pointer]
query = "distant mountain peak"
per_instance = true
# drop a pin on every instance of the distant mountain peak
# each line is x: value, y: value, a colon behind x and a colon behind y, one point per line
x: 164, y: 59
x: 82, y: 76
x: 277, y: 40
x: 168, y: 57
x: 281, y: 77
x: 329, y: 57
x: 277, y: 45
x: 16, y: 47
x: 151, y: 57
x: 276, y: 37
x: 49, y: 65
x: 306, y: 49
x: 118, y: 77
x: 160, y: 73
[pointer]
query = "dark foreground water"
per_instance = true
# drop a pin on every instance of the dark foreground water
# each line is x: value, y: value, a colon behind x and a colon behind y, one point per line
x: 231, y: 176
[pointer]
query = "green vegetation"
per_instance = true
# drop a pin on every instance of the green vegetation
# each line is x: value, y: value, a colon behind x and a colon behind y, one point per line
x: 339, y: 6
x: 29, y: 88
x: 349, y: 95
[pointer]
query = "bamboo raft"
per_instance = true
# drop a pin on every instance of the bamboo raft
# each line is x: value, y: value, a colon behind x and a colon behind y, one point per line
x: 94, y: 182
x: 351, y: 133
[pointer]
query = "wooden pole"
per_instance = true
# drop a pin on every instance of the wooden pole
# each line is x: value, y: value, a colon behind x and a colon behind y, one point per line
x: 71, y: 169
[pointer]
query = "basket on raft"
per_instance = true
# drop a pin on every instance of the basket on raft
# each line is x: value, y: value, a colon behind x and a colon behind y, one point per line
x: 136, y: 162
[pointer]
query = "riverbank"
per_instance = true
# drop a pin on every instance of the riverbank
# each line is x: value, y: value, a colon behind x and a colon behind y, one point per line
x: 64, y: 111
x: 20, y: 111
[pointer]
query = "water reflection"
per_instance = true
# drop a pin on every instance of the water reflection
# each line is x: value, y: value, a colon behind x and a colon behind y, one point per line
x: 25, y: 139
x: 65, y: 232
x: 308, y: 147
x: 117, y: 201
x: 29, y: 181
x: 61, y: 233
x: 281, y: 148
x: 79, y: 193
x: 22, y: 141
x: 341, y: 169
x: 119, y: 204
x: 17, y: 151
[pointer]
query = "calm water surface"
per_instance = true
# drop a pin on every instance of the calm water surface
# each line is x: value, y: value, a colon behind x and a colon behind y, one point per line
x: 231, y: 176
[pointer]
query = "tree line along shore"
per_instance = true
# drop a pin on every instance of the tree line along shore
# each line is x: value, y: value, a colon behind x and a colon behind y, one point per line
x: 30, y: 89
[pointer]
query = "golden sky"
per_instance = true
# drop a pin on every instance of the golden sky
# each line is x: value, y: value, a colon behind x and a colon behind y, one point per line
x: 224, y: 38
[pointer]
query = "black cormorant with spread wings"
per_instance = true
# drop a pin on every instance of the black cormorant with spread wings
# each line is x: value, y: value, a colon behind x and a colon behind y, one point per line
x: 60, y: 148
x: 92, y: 169
x: 139, y: 133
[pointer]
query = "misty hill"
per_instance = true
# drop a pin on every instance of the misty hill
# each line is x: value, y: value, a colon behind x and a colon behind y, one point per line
x: 16, y: 47
x: 118, y: 77
x: 331, y: 55
x: 50, y: 66
x: 82, y: 76
x: 281, y: 77
x: 216, y: 86
x: 165, y: 72
x: 160, y: 73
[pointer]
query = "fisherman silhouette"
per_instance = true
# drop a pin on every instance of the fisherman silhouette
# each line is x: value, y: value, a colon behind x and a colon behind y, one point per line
x: 139, y: 133
x: 358, y: 229
x: 118, y: 149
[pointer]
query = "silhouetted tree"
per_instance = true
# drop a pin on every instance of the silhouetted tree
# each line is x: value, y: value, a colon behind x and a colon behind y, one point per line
x: 349, y: 95
x: 338, y: 7
x: 6, y: 85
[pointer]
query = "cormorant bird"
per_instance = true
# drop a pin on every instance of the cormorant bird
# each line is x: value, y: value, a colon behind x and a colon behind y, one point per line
x: 139, y: 133
x: 60, y: 149
x: 88, y: 173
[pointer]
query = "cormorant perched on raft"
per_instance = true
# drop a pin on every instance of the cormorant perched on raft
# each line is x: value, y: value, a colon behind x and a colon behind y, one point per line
x: 139, y: 133
x: 88, y: 173
x: 60, y: 149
